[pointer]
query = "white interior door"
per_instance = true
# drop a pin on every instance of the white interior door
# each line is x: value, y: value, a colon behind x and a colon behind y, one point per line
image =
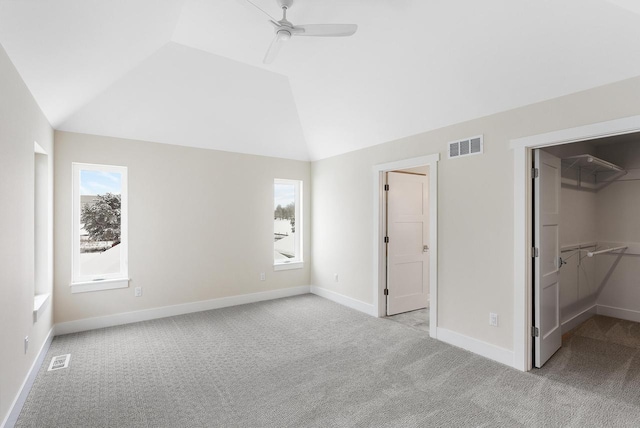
x: 407, y: 250
x: 548, y: 336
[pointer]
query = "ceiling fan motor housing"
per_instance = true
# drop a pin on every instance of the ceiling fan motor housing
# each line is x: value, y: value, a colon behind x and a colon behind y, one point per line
x: 283, y: 35
x: 284, y: 3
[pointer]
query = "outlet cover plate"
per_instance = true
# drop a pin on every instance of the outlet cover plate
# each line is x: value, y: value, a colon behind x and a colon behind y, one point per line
x: 493, y: 319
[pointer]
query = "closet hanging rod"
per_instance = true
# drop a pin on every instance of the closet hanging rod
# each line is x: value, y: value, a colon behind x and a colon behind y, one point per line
x: 608, y: 250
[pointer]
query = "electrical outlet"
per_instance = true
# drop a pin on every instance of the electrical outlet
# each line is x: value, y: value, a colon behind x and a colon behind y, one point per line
x: 26, y: 344
x: 493, y: 319
x: 138, y: 291
x: 335, y: 277
x: 262, y: 276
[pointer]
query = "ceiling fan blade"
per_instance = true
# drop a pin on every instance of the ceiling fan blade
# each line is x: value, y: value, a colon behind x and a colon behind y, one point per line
x: 271, y: 18
x: 326, y: 30
x: 274, y: 48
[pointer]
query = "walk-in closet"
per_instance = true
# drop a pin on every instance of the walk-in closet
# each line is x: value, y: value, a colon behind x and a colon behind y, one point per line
x: 587, y: 231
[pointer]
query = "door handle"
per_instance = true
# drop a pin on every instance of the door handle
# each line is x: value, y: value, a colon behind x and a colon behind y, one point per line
x: 425, y: 248
x: 561, y: 262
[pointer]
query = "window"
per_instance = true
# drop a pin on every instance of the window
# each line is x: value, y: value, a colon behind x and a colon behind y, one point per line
x: 287, y: 224
x: 99, y: 228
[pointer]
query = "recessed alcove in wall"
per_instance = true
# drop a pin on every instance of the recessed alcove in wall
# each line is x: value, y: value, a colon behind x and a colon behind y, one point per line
x: 40, y: 230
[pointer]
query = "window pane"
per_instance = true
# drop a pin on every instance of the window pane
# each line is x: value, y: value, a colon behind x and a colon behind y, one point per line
x: 100, y: 222
x: 284, y: 222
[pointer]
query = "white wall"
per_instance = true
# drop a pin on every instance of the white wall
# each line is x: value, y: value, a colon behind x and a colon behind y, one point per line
x: 578, y: 287
x: 21, y: 123
x: 475, y: 209
x: 607, y: 216
x: 619, y: 221
x: 200, y: 224
x: 43, y: 224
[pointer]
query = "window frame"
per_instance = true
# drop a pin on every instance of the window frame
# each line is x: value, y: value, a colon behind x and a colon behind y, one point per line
x: 83, y: 283
x: 298, y: 261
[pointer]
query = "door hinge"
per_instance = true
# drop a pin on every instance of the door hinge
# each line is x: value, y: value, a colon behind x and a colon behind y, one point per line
x: 386, y: 239
x: 535, y: 172
x: 386, y: 187
x: 386, y: 291
x: 535, y: 332
x: 535, y: 252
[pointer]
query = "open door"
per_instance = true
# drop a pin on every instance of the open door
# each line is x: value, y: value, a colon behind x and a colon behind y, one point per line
x: 546, y: 190
x: 407, y: 250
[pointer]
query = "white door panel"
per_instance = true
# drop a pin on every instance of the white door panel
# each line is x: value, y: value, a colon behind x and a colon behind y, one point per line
x: 550, y: 301
x: 407, y: 229
x: 546, y: 266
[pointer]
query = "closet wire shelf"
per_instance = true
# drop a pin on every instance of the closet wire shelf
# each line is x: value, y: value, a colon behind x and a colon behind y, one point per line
x: 598, y: 170
x: 591, y: 249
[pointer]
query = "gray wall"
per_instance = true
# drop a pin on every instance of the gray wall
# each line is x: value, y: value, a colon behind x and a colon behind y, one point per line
x: 475, y: 211
x: 200, y: 224
x: 578, y: 225
x: 21, y: 123
x: 619, y: 222
x: 608, y: 216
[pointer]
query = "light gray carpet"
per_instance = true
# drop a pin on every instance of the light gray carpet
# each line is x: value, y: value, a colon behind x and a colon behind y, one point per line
x: 307, y: 362
x: 602, y: 354
x: 416, y: 319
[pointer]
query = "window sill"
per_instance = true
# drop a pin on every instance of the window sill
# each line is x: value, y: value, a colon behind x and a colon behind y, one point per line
x: 288, y: 266
x: 40, y: 303
x: 105, y: 284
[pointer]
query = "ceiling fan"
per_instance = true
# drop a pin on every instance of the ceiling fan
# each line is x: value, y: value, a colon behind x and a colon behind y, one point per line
x: 285, y: 30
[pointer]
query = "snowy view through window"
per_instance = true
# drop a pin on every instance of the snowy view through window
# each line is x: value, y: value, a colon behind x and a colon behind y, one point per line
x: 284, y: 222
x: 100, y: 222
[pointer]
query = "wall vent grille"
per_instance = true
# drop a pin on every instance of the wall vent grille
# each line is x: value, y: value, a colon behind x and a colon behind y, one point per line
x: 466, y: 147
x: 59, y: 362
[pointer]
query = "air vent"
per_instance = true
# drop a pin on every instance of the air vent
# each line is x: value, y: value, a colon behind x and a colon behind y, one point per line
x: 59, y: 362
x: 466, y: 147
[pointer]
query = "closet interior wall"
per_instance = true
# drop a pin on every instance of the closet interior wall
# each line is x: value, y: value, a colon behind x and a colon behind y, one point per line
x: 618, y: 221
x: 608, y: 284
x: 578, y: 226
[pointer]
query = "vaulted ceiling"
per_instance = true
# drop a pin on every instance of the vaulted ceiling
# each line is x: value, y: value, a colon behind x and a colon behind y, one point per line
x: 190, y: 72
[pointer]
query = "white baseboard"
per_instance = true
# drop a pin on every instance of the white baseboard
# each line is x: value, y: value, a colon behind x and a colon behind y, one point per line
x: 476, y: 346
x: 169, y: 311
x: 623, y: 314
x: 18, y: 402
x: 345, y: 301
x: 578, y: 319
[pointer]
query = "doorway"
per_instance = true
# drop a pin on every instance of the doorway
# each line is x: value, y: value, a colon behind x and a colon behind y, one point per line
x: 412, y: 262
x: 406, y: 239
x: 586, y: 245
x: 523, y: 150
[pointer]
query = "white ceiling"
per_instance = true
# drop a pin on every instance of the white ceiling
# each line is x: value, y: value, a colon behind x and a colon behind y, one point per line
x: 189, y: 72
